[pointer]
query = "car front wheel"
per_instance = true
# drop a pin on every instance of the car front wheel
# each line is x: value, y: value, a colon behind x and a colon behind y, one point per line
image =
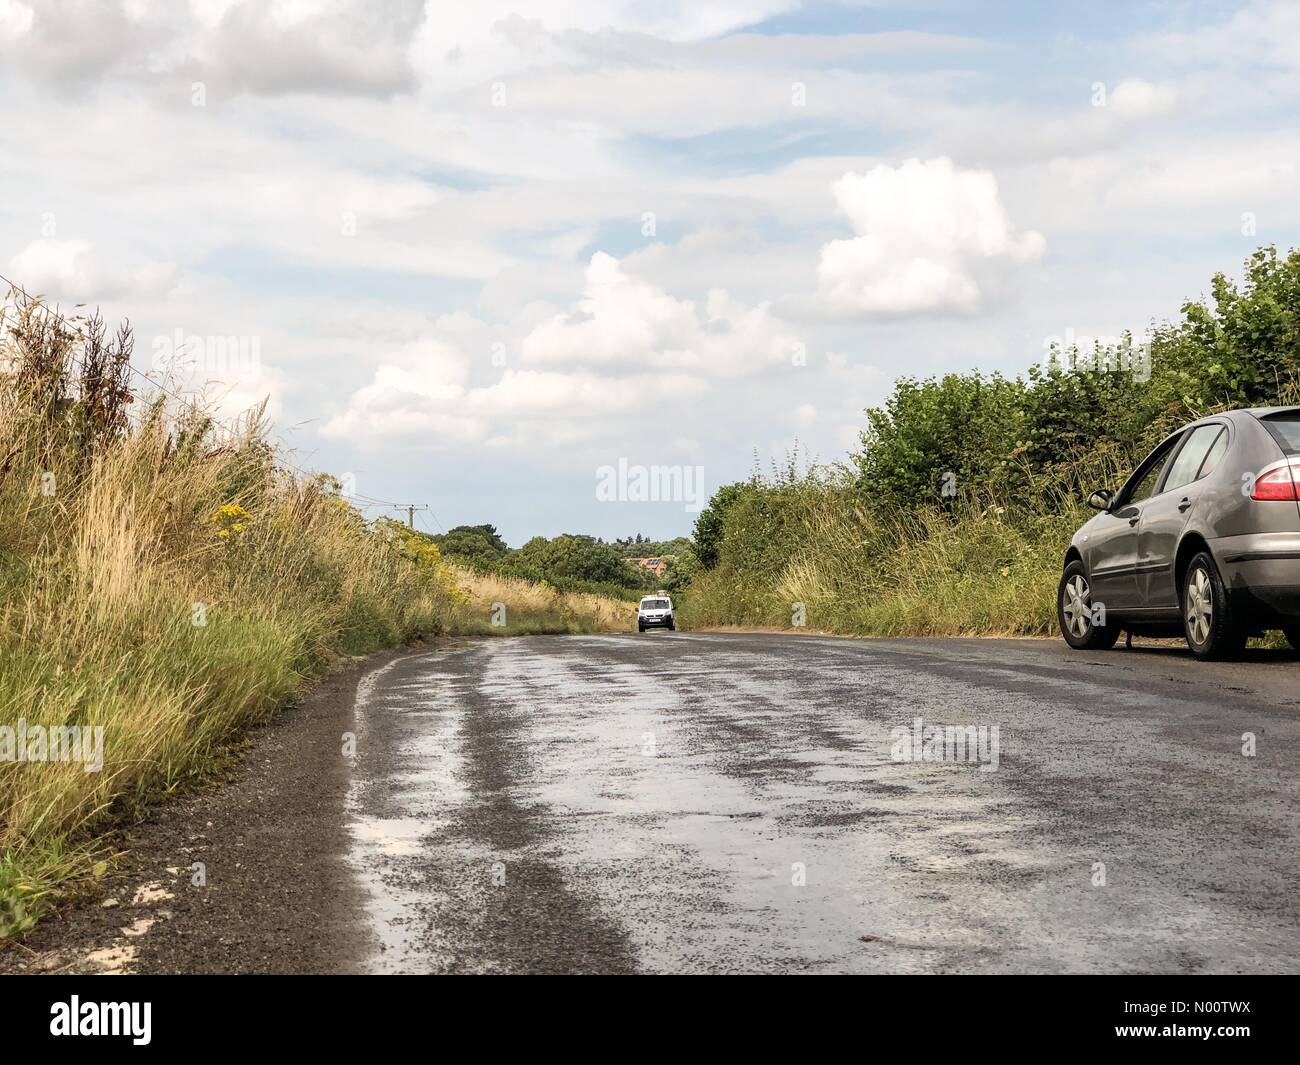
x: 1212, y: 631
x: 1074, y: 612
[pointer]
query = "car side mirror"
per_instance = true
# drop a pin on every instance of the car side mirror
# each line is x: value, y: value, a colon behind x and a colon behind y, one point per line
x: 1101, y: 499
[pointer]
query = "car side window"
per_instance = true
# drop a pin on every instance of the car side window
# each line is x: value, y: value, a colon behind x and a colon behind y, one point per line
x: 1215, y: 456
x: 1146, y: 487
x: 1187, y: 464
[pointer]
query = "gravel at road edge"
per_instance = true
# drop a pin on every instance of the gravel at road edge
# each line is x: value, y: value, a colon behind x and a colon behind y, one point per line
x: 272, y: 836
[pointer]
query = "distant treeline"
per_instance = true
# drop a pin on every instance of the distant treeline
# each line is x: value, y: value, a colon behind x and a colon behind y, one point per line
x: 570, y: 562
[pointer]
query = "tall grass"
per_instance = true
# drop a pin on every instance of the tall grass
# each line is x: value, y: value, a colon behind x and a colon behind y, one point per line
x: 812, y: 549
x: 174, y: 585
x: 494, y: 605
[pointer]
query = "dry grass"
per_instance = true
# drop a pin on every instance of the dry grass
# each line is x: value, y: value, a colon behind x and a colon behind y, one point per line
x: 493, y: 605
x: 174, y: 586
x: 125, y: 607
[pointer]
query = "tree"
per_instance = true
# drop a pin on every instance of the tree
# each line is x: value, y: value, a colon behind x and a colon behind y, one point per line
x: 935, y: 434
x: 1245, y: 350
x: 1067, y: 412
x: 709, y: 526
x: 574, y: 557
x: 477, y: 544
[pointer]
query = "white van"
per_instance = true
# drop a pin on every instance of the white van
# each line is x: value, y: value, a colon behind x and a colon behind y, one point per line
x: 655, y: 611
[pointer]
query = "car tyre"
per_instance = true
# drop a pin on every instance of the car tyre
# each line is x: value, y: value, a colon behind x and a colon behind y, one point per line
x: 1212, y: 630
x: 640, y: 627
x: 1074, y: 612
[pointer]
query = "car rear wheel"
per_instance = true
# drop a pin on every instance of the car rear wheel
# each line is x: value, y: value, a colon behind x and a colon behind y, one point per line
x: 1075, y: 615
x: 1212, y: 630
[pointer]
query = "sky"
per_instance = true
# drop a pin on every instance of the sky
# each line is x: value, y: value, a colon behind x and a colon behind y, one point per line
x: 570, y: 267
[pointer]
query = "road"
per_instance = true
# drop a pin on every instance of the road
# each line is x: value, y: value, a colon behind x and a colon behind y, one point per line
x: 700, y: 802
x: 728, y: 802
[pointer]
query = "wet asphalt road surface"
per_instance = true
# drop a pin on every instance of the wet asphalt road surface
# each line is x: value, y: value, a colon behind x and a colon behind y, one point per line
x: 726, y: 802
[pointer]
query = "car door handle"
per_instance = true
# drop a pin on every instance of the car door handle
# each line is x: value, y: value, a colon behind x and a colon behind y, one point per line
x: 1184, y: 504
x: 1133, y: 520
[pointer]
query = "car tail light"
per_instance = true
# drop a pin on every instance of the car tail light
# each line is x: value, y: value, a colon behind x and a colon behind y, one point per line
x: 1278, y: 483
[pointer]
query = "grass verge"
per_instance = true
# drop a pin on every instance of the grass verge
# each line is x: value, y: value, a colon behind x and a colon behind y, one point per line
x: 810, y: 554
x: 493, y: 605
x: 165, y: 585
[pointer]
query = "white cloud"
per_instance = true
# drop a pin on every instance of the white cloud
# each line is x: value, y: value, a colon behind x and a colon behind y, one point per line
x: 69, y: 270
x: 1138, y: 99
x: 329, y: 47
x: 55, y: 267
x: 15, y: 21
x: 624, y: 323
x: 229, y: 399
x: 927, y: 233
x: 417, y: 392
x: 1256, y: 36
x: 525, y: 411
x: 361, y: 48
x: 339, y: 47
x: 626, y: 353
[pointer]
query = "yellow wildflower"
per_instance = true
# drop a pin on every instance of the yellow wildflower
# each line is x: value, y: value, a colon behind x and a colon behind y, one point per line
x: 231, y: 520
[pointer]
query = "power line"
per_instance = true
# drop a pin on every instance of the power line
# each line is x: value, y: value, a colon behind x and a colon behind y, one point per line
x: 213, y: 422
x: 410, y: 509
x: 370, y: 501
x: 435, y: 521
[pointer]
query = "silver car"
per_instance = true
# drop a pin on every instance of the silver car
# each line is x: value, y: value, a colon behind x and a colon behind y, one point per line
x: 1202, y: 540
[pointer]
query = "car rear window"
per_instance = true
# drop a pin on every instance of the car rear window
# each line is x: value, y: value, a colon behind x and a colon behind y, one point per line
x: 1187, y: 464
x: 1285, y: 429
x: 1216, y: 453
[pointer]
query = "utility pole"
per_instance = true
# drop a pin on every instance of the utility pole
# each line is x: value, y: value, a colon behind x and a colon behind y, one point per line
x: 410, y: 509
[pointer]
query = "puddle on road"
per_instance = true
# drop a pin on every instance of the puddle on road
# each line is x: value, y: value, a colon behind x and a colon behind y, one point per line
x: 681, y: 799
x: 388, y: 835
x: 390, y: 819
x: 677, y: 801
x: 727, y: 816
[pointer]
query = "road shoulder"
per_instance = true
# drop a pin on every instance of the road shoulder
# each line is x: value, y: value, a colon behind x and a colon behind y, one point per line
x: 244, y: 875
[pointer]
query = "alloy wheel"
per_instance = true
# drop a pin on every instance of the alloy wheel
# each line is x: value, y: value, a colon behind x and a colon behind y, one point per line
x: 1200, y: 606
x: 1076, y: 606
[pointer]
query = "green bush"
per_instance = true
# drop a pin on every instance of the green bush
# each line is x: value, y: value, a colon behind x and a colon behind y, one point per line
x: 954, y: 514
